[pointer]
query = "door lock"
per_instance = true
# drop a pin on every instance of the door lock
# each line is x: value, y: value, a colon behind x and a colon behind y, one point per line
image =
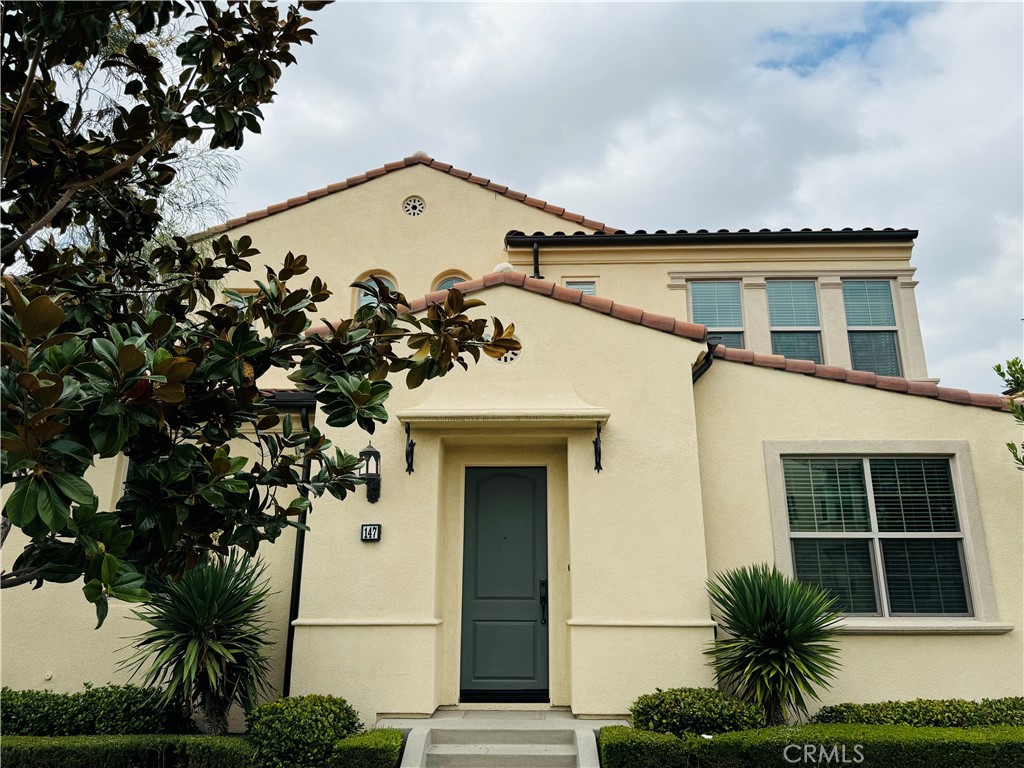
x: 543, y: 601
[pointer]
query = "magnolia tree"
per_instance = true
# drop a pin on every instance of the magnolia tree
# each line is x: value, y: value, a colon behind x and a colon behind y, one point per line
x: 1012, y: 375
x: 118, y: 345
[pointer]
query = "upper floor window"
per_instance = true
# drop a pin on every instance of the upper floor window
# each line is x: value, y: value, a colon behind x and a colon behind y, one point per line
x: 881, y: 534
x: 589, y: 287
x: 793, y: 316
x: 365, y: 298
x: 871, y: 324
x: 448, y: 282
x: 717, y: 305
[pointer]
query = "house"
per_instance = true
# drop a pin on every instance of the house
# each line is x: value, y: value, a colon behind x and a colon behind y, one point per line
x: 684, y: 403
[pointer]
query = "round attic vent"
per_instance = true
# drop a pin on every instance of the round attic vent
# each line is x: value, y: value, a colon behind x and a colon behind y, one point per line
x: 509, y: 357
x: 414, y: 206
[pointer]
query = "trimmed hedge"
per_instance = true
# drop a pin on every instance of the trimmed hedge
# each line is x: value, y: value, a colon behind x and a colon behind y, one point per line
x: 873, y: 746
x: 381, y: 748
x: 109, y: 709
x: 622, y: 747
x: 301, y: 732
x: 946, y: 713
x: 679, y: 711
x: 150, y: 751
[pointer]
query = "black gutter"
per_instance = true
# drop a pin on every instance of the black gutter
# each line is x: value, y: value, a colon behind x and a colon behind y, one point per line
x: 306, y: 403
x: 705, y: 364
x: 517, y: 239
x: 536, y: 262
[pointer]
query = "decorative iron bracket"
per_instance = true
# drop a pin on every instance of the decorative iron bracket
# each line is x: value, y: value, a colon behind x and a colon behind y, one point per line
x: 597, y: 449
x: 410, y: 449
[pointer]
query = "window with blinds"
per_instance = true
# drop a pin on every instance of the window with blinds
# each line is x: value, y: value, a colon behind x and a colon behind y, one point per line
x: 871, y: 323
x: 793, y: 315
x: 716, y: 304
x: 882, y: 535
x: 589, y: 287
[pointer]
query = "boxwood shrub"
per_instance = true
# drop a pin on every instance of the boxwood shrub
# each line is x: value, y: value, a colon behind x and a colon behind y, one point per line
x: 693, y: 710
x: 622, y: 747
x: 109, y: 709
x: 381, y: 748
x: 873, y: 746
x: 147, y: 751
x: 301, y: 732
x: 949, y: 713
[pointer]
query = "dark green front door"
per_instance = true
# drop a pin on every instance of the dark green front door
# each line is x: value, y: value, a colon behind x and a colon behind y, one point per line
x: 504, y: 585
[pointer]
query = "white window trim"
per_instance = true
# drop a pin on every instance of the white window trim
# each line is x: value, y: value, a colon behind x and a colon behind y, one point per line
x: 977, y: 573
x: 773, y: 329
x: 713, y: 329
x: 566, y: 279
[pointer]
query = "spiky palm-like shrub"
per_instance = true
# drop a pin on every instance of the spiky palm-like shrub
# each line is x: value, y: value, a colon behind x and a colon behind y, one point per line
x: 206, y: 639
x: 779, y: 639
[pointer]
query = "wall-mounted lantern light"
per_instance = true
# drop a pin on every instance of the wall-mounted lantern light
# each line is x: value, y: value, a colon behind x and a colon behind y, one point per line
x: 371, y: 472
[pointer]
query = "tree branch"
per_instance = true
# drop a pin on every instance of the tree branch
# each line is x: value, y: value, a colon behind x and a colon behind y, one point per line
x: 59, y: 206
x: 20, y: 108
x: 20, y: 576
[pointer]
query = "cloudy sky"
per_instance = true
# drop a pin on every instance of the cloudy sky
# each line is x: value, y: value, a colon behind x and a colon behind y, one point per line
x: 696, y: 115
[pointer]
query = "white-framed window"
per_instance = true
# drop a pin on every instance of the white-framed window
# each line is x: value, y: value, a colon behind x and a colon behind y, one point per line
x: 892, y: 529
x: 871, y: 326
x: 717, y: 304
x: 447, y: 280
x: 793, y: 317
x: 588, y: 285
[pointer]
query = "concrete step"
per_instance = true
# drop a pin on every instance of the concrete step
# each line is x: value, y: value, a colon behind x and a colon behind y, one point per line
x: 501, y: 736
x: 501, y: 756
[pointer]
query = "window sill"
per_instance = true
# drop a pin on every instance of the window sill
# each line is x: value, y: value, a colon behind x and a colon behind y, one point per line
x: 922, y: 626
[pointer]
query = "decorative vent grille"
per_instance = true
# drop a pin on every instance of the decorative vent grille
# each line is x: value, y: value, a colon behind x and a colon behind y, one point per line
x: 414, y: 206
x: 509, y: 357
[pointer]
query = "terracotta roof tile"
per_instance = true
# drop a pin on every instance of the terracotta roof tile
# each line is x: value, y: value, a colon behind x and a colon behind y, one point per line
x: 596, y: 303
x: 570, y: 295
x: 800, y: 366
x: 894, y: 384
x: 538, y: 286
x: 417, y: 159
x: 689, y: 330
x: 866, y: 378
x: 770, y: 361
x: 658, y: 322
x: 626, y: 312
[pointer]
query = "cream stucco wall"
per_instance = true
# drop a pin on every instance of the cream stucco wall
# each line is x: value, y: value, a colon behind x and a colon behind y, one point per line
x: 657, y: 278
x: 48, y: 637
x: 742, y: 408
x: 363, y: 229
x: 379, y: 623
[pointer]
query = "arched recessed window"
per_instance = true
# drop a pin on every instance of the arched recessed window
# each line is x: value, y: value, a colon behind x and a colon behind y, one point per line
x: 364, y: 297
x: 448, y: 280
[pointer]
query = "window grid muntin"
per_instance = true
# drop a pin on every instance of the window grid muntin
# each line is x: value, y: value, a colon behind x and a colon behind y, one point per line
x: 877, y: 536
x: 777, y: 325
x: 576, y: 285
x: 870, y: 312
x: 713, y: 328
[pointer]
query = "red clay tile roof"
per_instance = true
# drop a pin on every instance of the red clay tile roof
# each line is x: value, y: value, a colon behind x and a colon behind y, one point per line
x: 570, y: 296
x: 698, y: 332
x: 863, y: 378
x: 418, y: 159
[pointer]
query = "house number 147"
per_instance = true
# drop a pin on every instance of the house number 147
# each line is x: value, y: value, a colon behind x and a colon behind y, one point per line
x: 370, y: 532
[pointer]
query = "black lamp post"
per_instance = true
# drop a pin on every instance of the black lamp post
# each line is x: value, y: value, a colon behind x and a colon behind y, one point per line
x: 371, y: 472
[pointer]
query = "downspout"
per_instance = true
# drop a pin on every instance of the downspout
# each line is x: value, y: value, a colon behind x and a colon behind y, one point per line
x: 300, y: 546
x: 536, y: 261
x: 705, y: 364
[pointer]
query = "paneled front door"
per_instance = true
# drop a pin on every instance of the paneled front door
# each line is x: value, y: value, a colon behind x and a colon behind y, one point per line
x: 504, y: 585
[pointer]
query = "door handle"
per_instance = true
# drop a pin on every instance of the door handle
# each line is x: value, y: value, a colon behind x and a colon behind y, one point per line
x: 543, y: 601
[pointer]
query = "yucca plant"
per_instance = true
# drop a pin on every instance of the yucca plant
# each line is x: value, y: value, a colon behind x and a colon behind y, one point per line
x: 206, y: 639
x: 779, y: 639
